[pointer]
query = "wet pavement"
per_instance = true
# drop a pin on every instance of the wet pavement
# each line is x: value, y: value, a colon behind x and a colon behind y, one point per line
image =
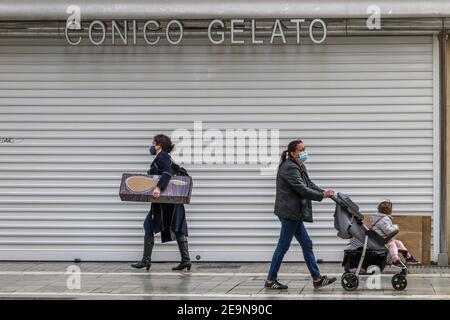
x: 93, y: 280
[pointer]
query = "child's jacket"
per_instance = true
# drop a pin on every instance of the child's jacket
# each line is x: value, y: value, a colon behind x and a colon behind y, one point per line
x: 382, y: 224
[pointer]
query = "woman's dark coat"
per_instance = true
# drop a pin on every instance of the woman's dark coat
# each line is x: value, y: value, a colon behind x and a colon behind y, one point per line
x: 295, y: 190
x: 168, y: 218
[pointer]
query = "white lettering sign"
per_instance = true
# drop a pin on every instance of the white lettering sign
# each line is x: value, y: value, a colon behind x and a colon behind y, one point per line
x: 153, y: 32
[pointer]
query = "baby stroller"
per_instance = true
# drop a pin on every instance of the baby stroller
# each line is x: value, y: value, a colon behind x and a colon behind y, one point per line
x: 349, y: 223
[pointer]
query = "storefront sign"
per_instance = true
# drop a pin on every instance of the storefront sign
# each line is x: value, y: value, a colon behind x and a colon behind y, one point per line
x: 127, y: 32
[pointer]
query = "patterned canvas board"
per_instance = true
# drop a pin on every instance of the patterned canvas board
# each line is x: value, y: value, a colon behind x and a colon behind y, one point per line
x: 139, y: 188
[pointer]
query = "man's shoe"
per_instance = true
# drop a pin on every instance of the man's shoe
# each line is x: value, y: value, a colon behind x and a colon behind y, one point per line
x: 324, y: 281
x: 275, y: 285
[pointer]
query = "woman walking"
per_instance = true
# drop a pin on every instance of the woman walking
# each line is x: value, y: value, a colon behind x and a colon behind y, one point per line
x: 293, y: 206
x: 167, y: 218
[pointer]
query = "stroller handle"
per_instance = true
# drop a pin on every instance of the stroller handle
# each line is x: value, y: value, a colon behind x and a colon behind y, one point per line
x: 334, y: 198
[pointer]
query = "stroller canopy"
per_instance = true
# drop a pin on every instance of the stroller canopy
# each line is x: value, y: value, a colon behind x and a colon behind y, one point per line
x: 349, y: 222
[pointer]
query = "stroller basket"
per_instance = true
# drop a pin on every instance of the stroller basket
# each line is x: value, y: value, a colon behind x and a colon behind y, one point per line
x: 372, y: 258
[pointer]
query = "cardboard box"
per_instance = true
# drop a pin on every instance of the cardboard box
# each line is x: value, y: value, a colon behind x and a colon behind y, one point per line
x: 415, y: 233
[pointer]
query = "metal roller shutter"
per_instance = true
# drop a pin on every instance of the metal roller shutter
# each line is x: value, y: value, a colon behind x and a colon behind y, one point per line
x: 73, y: 119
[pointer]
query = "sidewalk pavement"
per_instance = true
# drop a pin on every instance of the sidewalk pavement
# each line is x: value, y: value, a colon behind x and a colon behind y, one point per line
x: 117, y: 280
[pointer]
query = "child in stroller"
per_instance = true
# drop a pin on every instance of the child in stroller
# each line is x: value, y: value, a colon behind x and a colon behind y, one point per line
x: 382, y: 224
x: 349, y: 223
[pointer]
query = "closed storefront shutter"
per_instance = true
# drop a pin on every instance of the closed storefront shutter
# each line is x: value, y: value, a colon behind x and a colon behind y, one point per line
x: 73, y: 119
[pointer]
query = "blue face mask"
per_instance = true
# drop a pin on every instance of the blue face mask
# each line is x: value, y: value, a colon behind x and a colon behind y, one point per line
x: 303, y: 156
x: 153, y: 150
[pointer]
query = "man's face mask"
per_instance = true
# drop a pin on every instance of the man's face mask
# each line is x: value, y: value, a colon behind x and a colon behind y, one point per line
x: 303, y: 156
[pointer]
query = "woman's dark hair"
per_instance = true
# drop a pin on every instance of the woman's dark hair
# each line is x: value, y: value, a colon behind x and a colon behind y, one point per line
x: 164, y: 141
x: 292, y: 146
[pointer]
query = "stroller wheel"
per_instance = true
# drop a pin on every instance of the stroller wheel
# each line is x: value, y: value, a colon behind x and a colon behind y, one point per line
x: 349, y: 281
x: 399, y: 282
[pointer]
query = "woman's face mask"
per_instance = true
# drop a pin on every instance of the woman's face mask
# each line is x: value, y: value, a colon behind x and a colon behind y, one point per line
x: 303, y: 156
x: 153, y: 150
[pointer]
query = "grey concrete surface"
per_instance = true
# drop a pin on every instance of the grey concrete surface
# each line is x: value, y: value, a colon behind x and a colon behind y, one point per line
x: 117, y: 280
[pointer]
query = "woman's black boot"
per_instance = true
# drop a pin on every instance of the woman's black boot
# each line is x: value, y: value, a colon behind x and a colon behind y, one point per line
x: 147, y: 256
x: 184, y: 252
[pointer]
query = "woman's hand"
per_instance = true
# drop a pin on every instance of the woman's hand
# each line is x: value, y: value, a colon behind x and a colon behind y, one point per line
x: 156, y: 192
x: 328, y: 193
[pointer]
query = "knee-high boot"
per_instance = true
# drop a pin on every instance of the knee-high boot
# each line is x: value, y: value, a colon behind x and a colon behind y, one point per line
x: 184, y: 252
x: 147, y: 256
